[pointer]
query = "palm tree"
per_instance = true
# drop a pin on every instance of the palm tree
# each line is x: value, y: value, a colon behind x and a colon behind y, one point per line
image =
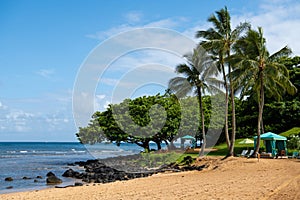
x: 197, y: 76
x: 256, y: 72
x: 219, y: 41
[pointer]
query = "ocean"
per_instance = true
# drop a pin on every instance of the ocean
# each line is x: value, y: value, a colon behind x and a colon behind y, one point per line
x: 32, y: 159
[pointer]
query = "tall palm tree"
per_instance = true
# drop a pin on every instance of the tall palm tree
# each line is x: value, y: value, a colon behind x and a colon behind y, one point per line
x: 256, y: 72
x: 198, y: 77
x: 219, y: 40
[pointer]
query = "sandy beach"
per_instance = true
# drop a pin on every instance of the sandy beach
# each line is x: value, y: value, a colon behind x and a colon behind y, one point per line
x: 232, y: 178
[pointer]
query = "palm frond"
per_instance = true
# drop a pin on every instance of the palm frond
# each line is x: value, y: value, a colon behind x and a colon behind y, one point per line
x: 284, y: 52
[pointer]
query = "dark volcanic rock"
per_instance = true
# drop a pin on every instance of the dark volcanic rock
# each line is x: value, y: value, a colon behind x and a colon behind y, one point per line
x: 99, y: 171
x: 78, y: 184
x: 39, y: 177
x: 52, y: 179
x: 50, y: 174
x: 26, y: 178
x: 69, y: 173
x: 8, y: 179
x: 9, y: 187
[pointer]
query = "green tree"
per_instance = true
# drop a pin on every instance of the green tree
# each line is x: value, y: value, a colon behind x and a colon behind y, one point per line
x: 198, y: 76
x: 219, y: 40
x: 138, y: 121
x: 257, y: 72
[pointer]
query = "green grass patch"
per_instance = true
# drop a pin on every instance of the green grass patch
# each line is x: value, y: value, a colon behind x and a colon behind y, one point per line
x: 221, y: 149
x: 293, y: 131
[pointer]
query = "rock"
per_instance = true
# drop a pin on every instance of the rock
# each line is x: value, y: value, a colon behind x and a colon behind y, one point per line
x: 71, y: 164
x: 39, y: 177
x: 35, y: 181
x: 26, y: 178
x: 64, y: 186
x: 8, y: 179
x: 52, y: 179
x: 9, y: 187
x: 70, y: 173
x: 78, y: 184
x: 50, y: 174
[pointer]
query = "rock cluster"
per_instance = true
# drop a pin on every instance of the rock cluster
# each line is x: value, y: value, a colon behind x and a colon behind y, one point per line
x: 98, y: 172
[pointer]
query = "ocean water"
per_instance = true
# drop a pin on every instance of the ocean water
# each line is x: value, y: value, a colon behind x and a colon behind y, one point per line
x: 32, y: 159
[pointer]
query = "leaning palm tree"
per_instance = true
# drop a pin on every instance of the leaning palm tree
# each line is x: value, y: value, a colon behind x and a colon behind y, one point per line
x: 197, y: 76
x: 219, y: 41
x: 256, y: 72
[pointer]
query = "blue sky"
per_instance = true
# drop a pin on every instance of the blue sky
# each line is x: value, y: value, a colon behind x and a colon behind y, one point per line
x: 43, y: 44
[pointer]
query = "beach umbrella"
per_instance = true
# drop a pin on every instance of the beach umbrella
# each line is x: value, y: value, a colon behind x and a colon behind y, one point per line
x: 246, y: 141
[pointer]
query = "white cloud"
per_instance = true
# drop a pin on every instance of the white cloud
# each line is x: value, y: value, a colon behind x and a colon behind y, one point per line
x: 134, y: 16
x: 99, y: 101
x: 46, y: 73
x: 2, y: 106
x: 100, y: 96
x: 21, y: 121
x: 109, y: 81
x: 169, y: 23
x: 280, y: 21
x: 18, y: 115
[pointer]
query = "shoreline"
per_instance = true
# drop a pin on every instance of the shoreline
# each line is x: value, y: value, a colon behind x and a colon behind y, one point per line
x: 232, y: 178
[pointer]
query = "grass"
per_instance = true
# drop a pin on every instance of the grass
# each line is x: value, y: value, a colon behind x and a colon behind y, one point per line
x: 154, y: 159
x: 293, y: 131
x: 238, y: 148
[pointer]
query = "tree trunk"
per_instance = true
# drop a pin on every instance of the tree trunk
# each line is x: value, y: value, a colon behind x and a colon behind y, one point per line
x: 261, y: 102
x: 158, y: 145
x: 231, y: 150
x: 171, y: 145
x: 144, y: 144
x: 201, y: 153
x: 262, y: 125
x: 226, y: 108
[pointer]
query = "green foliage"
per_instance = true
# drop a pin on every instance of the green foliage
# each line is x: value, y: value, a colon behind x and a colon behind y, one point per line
x: 293, y: 142
x: 132, y: 120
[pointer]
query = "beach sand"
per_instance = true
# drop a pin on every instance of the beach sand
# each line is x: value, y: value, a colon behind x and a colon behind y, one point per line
x: 232, y: 178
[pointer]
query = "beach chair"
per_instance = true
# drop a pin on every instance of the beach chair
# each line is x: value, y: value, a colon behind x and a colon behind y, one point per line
x: 295, y: 154
x: 244, y: 152
x: 251, y: 153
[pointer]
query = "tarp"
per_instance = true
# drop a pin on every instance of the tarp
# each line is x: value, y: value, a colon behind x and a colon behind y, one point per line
x: 271, y: 136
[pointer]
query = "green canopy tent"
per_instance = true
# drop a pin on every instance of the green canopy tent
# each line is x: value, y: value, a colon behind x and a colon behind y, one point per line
x: 274, y: 143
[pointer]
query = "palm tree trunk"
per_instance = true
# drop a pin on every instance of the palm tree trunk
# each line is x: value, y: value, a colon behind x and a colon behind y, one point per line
x: 201, y: 153
x: 231, y: 150
x: 226, y: 108
x: 260, y: 112
x: 262, y: 125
